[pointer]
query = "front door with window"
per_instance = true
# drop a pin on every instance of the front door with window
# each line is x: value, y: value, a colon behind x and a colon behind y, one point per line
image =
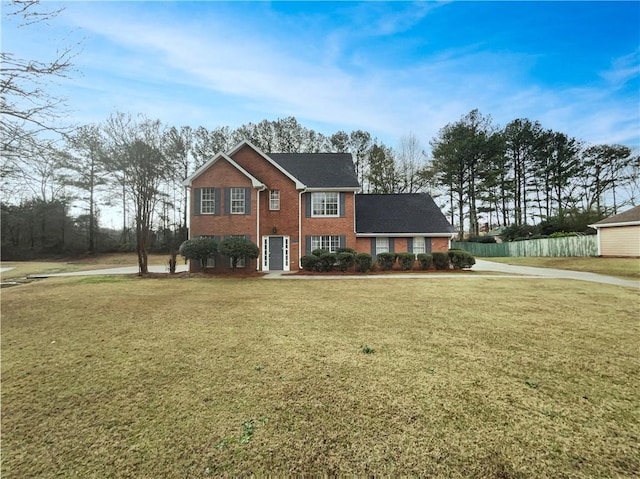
x: 276, y: 253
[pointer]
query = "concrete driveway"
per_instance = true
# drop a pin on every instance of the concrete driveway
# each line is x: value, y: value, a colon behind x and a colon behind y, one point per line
x: 510, y: 271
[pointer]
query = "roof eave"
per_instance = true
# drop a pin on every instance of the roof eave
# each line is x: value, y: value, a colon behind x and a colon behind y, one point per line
x: 406, y: 235
x: 221, y: 156
x: 609, y: 225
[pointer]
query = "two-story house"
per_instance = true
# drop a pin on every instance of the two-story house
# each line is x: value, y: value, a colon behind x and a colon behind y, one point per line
x: 292, y: 203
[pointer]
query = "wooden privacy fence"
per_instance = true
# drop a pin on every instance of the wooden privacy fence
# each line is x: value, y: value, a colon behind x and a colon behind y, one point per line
x: 557, y: 247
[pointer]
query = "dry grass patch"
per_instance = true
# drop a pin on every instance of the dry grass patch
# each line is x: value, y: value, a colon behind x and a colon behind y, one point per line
x: 123, y: 377
x: 621, y: 267
x: 26, y: 268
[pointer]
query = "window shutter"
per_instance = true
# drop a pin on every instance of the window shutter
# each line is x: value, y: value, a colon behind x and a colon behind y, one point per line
x: 343, y: 241
x: 197, y: 192
x: 409, y: 245
x: 427, y: 245
x: 307, y: 204
x: 307, y: 246
x: 391, y: 245
x: 227, y: 201
x: 216, y: 238
x: 373, y: 247
x: 216, y: 198
x: 342, y: 205
x: 247, y: 200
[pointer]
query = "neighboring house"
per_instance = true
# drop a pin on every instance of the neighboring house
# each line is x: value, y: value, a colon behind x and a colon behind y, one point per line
x: 619, y: 235
x: 292, y: 203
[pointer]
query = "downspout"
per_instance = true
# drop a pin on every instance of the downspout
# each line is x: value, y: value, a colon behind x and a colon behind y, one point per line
x: 258, y: 239
x: 304, y: 190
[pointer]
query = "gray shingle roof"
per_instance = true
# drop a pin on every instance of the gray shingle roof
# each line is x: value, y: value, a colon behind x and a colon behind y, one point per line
x: 629, y: 216
x: 400, y: 213
x: 319, y: 170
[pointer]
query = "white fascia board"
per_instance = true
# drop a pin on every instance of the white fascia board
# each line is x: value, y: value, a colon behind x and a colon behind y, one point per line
x: 344, y: 189
x: 235, y: 149
x: 610, y: 225
x: 254, y: 181
x: 406, y: 235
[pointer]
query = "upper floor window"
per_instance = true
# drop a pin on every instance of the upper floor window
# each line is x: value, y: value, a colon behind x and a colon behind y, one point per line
x: 237, y: 201
x: 325, y: 204
x: 418, y: 245
x: 274, y: 199
x: 382, y: 244
x: 207, y: 201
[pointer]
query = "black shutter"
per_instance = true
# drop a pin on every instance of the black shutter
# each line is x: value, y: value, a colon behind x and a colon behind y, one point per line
x: 247, y: 200
x: 342, y: 205
x: 391, y: 245
x: 307, y: 246
x: 197, y: 193
x: 409, y: 245
x: 427, y: 245
x: 373, y: 247
x: 343, y: 241
x: 227, y: 201
x: 216, y: 199
x: 307, y: 204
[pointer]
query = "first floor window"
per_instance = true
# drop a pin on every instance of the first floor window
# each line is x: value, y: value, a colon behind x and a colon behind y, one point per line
x: 237, y: 201
x: 274, y: 199
x: 211, y: 262
x: 329, y: 243
x: 207, y: 201
x: 324, y: 204
x: 418, y: 245
x: 382, y: 244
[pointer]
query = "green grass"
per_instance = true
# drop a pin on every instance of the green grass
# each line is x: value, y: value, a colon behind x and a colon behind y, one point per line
x: 621, y: 267
x: 213, y: 377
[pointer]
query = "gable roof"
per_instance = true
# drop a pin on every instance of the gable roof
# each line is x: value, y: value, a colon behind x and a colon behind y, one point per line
x: 626, y: 218
x: 406, y: 213
x: 320, y: 170
x: 256, y: 183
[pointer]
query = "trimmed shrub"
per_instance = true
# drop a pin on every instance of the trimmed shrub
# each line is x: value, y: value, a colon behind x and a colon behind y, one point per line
x: 199, y: 249
x: 406, y: 261
x: 440, y: 260
x: 346, y: 260
x: 327, y: 261
x: 426, y: 260
x: 236, y: 248
x: 481, y: 239
x: 562, y: 234
x: 347, y: 250
x: 309, y: 262
x: 364, y: 262
x: 319, y: 252
x: 460, y: 259
x: 386, y: 260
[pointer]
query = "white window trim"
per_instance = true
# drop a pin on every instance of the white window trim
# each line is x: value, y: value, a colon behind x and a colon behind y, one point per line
x: 330, y: 243
x: 210, y: 202
x: 274, y: 196
x: 382, y: 248
x: 234, y: 201
x: 417, y: 239
x: 316, y: 195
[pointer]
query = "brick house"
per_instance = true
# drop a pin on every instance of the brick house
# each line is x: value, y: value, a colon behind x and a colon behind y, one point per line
x: 292, y: 203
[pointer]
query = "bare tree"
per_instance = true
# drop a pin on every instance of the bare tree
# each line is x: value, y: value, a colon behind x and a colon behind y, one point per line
x: 27, y: 108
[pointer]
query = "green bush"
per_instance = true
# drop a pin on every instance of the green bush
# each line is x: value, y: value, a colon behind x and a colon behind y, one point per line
x: 364, y: 262
x: 406, y: 261
x: 236, y: 248
x: 481, y: 239
x: 309, y: 262
x: 347, y: 250
x: 327, y: 261
x: 319, y: 252
x: 426, y: 260
x: 460, y: 259
x: 440, y: 260
x: 198, y: 249
x: 386, y: 260
x: 346, y: 259
x: 562, y: 234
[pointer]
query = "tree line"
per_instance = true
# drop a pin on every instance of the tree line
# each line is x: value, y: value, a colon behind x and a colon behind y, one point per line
x: 481, y: 175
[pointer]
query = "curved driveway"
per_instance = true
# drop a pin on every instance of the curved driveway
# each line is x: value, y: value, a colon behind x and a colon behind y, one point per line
x: 480, y: 266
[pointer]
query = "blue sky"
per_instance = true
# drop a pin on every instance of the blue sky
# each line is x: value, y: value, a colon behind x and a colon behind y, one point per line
x: 388, y: 68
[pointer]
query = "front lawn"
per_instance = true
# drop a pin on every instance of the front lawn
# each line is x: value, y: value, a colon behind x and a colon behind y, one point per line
x: 470, y: 377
